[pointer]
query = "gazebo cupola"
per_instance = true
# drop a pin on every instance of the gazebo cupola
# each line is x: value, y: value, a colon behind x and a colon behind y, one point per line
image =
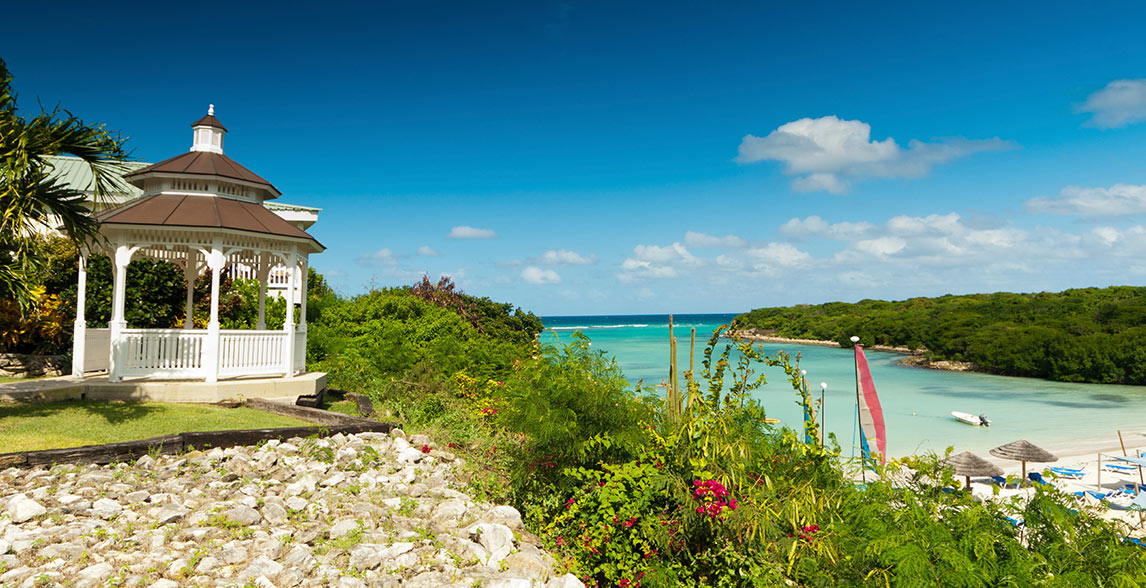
x: 208, y: 133
x: 204, y: 211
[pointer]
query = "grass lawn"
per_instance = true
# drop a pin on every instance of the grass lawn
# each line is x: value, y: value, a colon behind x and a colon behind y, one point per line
x: 56, y: 425
x: 8, y: 379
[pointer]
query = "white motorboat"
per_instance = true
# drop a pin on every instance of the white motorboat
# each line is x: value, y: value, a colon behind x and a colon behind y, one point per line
x: 970, y: 419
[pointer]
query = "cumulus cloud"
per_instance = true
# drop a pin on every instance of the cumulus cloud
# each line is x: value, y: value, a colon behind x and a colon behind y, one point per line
x: 706, y: 241
x: 565, y: 257
x: 536, y: 275
x: 380, y: 258
x: 773, y: 257
x: 829, y: 153
x: 814, y: 226
x: 1120, y: 103
x: 427, y: 251
x: 464, y: 232
x: 1117, y: 200
x: 675, y: 253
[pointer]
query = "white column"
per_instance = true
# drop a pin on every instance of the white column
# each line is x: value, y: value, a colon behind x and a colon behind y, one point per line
x: 190, y: 272
x: 302, y: 295
x: 302, y: 311
x: 215, y: 262
x: 288, y: 321
x: 264, y: 272
x: 118, y: 323
x: 79, y: 330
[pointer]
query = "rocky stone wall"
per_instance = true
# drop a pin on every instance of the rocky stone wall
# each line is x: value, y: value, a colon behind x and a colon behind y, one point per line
x: 18, y: 365
x: 351, y: 511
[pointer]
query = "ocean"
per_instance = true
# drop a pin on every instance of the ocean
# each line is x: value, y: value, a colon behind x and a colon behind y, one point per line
x: 1064, y: 418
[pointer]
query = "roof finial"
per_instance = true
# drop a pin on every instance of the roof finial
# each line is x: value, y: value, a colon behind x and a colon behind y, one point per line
x: 211, y: 110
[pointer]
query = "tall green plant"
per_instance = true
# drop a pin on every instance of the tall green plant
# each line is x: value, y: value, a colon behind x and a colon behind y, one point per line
x: 30, y: 198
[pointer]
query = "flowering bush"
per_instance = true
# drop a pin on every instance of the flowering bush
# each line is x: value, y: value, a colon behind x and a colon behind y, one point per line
x: 713, y: 497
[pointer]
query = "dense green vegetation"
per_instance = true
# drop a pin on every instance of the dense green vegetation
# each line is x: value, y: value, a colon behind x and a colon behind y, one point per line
x: 1085, y: 335
x: 628, y: 492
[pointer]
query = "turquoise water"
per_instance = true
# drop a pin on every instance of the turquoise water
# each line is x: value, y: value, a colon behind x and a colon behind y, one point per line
x: 1063, y: 418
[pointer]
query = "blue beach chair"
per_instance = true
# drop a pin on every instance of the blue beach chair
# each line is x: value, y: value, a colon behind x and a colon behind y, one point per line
x: 1037, y: 478
x: 1119, y: 469
x: 1070, y: 473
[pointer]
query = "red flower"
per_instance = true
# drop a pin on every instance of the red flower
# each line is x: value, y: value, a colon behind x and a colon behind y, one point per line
x: 425, y: 449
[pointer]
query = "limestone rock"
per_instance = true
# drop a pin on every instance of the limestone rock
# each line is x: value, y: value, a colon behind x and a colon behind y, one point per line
x: 21, y: 508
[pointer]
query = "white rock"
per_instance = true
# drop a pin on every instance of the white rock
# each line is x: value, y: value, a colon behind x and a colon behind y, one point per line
x: 496, y: 539
x: 165, y: 583
x: 243, y: 515
x: 505, y: 515
x: 566, y: 581
x: 509, y: 583
x: 343, y: 527
x: 262, y: 566
x: 106, y: 508
x: 21, y: 508
x: 334, y: 480
x: 4, y: 546
x: 94, y: 573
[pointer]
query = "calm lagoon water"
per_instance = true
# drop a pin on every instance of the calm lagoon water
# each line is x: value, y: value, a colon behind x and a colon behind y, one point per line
x: 1063, y: 418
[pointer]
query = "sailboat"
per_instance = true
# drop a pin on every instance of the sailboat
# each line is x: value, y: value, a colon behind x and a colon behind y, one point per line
x: 873, y: 437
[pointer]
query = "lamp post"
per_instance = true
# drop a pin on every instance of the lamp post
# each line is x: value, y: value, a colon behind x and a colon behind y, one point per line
x: 823, y: 412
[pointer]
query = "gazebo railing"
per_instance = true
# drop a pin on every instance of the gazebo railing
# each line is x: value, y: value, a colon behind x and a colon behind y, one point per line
x: 180, y: 353
x: 249, y: 353
x: 163, y: 352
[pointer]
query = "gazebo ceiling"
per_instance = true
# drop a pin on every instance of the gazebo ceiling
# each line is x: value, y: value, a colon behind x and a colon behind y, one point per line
x: 203, y: 163
x: 173, y: 210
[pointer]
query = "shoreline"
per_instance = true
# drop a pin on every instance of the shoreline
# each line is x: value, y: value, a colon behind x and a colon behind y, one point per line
x: 913, y: 359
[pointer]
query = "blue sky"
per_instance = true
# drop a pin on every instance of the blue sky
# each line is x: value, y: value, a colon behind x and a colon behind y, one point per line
x: 624, y: 157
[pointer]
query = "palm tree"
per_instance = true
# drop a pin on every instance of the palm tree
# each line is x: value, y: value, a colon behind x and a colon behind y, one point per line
x: 30, y: 198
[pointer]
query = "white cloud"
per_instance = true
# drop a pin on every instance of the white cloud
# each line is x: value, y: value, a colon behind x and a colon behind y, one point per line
x: 1120, y: 103
x: 779, y: 254
x: 881, y: 246
x: 1117, y: 200
x: 667, y: 254
x: 814, y: 226
x: 704, y: 240
x: 427, y: 251
x: 380, y: 258
x: 829, y: 153
x: 565, y: 257
x: 536, y: 275
x: 636, y: 270
x: 464, y: 232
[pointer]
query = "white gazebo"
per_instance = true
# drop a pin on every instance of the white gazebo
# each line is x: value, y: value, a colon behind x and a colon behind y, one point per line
x: 204, y: 211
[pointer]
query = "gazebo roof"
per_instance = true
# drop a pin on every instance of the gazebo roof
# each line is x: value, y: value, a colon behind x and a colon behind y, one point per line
x: 209, y: 121
x: 172, y: 210
x: 205, y: 163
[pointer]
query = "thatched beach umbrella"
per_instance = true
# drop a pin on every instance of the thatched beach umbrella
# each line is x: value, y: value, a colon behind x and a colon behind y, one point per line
x: 1024, y: 451
x: 968, y: 464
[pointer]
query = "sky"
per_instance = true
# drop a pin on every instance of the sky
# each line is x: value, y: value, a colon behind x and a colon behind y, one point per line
x: 605, y: 157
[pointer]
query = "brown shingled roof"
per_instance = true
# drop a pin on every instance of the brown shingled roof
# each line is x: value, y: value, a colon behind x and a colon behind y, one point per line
x: 207, y: 164
x: 170, y: 210
x: 210, y: 121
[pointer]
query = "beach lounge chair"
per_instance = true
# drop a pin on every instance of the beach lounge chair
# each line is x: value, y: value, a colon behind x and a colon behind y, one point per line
x: 1136, y: 541
x: 1038, y: 479
x: 1120, y: 469
x: 1071, y: 473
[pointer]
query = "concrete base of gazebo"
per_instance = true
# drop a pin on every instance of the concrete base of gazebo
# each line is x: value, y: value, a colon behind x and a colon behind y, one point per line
x: 98, y: 387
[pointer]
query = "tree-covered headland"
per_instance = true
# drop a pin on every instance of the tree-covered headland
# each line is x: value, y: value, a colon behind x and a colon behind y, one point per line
x: 1083, y: 335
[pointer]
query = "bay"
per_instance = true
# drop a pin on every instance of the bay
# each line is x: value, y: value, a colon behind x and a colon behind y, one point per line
x: 1065, y: 418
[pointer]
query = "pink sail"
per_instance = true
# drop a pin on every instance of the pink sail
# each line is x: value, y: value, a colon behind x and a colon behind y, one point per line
x: 870, y: 412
